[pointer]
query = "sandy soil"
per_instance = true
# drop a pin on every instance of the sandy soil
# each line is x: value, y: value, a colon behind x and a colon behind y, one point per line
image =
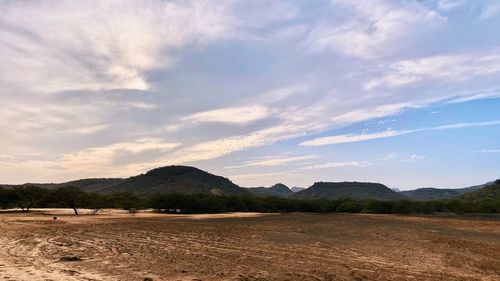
x: 117, y: 246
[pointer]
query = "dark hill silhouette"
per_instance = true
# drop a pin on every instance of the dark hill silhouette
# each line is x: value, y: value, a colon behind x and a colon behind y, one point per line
x: 429, y: 193
x: 348, y: 190
x: 88, y: 185
x: 277, y: 190
x: 185, y: 179
x: 182, y: 179
x: 489, y: 192
x: 94, y: 185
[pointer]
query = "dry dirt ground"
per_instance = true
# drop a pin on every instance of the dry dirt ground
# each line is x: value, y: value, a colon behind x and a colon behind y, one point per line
x: 118, y: 246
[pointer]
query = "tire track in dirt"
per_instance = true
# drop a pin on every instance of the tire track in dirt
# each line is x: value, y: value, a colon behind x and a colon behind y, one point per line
x: 21, y: 260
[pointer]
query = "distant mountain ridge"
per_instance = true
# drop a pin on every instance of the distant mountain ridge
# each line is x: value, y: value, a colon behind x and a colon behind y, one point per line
x: 277, y: 190
x: 169, y: 179
x: 430, y: 193
x: 186, y: 179
x: 348, y: 190
x: 488, y: 192
x: 183, y: 179
x: 297, y: 189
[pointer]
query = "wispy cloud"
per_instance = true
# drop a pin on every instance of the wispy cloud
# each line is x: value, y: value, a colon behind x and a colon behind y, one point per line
x: 448, y: 5
x: 449, y: 67
x: 262, y: 179
x: 351, y: 138
x: 273, y: 161
x: 357, y: 164
x: 489, y: 151
x: 96, y: 161
x: 373, y: 28
x: 239, y: 115
x: 493, y: 9
x: 100, y: 44
x: 348, y: 138
x: 414, y: 157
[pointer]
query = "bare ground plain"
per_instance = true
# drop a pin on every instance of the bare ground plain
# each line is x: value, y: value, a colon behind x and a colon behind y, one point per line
x: 118, y: 246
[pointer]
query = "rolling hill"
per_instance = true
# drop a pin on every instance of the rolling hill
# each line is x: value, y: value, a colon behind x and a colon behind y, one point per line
x: 277, y: 190
x: 351, y: 190
x: 429, y: 193
x: 183, y: 179
x: 489, y: 192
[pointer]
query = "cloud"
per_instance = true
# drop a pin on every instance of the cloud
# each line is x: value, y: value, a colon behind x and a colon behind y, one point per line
x: 87, y: 130
x: 334, y: 165
x: 273, y: 161
x: 493, y: 9
x: 372, y: 29
x: 389, y: 156
x: 437, y: 68
x: 448, y: 5
x: 358, y: 115
x: 220, y: 147
x: 87, y: 80
x: 414, y: 157
x: 294, y: 121
x: 348, y: 138
x: 259, y: 179
x: 476, y: 95
x: 489, y: 151
x: 91, y: 162
x: 63, y: 45
x: 238, y: 115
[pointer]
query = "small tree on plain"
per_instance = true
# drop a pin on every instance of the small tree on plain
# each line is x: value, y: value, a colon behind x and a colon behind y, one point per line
x: 27, y: 196
x: 70, y: 197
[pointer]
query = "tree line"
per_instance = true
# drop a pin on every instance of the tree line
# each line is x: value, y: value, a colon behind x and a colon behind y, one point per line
x: 27, y: 197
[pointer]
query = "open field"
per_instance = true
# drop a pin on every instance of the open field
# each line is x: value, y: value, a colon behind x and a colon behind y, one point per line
x: 118, y: 246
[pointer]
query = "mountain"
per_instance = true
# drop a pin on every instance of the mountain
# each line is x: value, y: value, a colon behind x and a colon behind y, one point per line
x: 277, y: 190
x: 429, y: 193
x: 297, y: 189
x: 351, y: 190
x: 92, y: 185
x: 168, y: 179
x: 182, y: 179
x: 488, y: 192
x: 88, y: 185
x: 281, y: 188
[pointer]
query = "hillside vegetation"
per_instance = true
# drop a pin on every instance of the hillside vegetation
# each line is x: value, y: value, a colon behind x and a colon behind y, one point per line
x: 277, y: 190
x: 169, y: 179
x: 178, y: 179
x: 175, y: 180
x: 489, y: 192
x: 348, y: 190
x: 429, y: 193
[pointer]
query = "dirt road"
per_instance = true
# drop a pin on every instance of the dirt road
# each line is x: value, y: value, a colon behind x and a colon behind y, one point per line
x: 117, y: 246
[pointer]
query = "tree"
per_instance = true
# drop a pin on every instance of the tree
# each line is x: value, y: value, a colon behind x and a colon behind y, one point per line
x: 7, y: 198
x: 127, y: 201
x: 27, y: 196
x: 70, y: 197
x: 96, y: 202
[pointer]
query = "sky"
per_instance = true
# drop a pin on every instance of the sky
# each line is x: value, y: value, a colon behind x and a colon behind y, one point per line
x: 405, y: 93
